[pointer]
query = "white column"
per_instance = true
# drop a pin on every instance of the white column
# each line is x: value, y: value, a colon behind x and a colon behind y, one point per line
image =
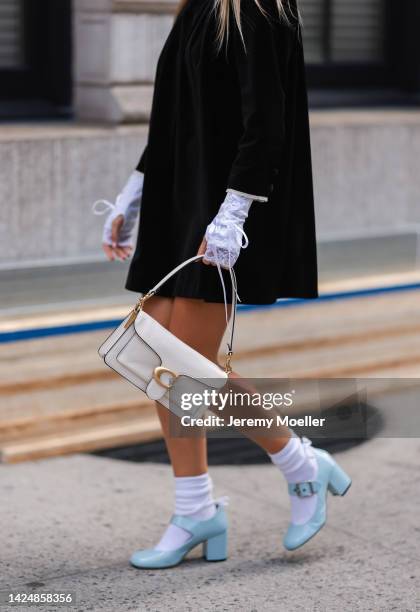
x: 116, y: 48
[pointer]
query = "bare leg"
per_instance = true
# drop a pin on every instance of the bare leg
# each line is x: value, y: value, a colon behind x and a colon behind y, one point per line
x: 269, y: 444
x: 193, y: 487
x: 182, y: 317
x: 201, y: 325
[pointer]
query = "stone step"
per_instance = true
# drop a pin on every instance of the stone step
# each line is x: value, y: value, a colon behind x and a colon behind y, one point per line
x: 58, y: 388
x: 89, y: 434
x: 61, y: 360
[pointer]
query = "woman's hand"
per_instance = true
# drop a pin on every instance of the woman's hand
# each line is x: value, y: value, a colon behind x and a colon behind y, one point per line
x: 224, y: 236
x: 117, y: 235
x: 202, y: 250
x: 114, y: 251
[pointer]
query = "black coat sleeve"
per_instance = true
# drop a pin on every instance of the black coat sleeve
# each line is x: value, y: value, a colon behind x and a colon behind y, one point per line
x: 259, y: 78
x: 141, y: 166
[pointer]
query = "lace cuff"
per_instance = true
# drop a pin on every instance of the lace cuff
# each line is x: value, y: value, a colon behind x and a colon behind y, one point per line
x: 248, y: 195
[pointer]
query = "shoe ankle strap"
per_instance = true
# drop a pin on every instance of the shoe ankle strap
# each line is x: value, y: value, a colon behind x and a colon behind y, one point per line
x: 304, y: 489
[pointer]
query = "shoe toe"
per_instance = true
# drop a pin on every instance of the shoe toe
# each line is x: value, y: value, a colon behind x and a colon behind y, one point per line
x: 297, y: 535
x: 150, y: 558
x: 142, y: 556
x: 157, y: 559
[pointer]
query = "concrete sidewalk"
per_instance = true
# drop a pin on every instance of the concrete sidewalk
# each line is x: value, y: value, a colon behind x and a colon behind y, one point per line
x: 70, y: 524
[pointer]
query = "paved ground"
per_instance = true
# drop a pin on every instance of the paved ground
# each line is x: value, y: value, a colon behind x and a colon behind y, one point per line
x: 70, y: 524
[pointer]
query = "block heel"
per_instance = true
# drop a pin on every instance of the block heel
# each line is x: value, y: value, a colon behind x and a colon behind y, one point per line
x: 215, y: 549
x: 331, y: 477
x: 339, y: 482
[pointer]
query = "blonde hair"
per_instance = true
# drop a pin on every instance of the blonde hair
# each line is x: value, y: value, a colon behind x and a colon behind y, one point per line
x: 225, y: 8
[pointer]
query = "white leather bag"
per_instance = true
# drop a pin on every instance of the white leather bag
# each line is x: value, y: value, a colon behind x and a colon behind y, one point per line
x: 150, y: 357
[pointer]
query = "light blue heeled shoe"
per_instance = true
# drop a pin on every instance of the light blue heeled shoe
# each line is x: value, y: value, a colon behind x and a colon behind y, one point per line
x: 331, y: 477
x: 211, y: 533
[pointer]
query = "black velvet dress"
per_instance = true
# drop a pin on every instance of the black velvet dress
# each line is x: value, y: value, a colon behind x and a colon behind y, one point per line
x: 232, y: 119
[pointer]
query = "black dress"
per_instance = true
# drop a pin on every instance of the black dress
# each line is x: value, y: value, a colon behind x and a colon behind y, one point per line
x: 232, y: 119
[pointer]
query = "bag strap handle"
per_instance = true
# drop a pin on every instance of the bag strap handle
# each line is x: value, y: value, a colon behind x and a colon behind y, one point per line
x: 231, y: 321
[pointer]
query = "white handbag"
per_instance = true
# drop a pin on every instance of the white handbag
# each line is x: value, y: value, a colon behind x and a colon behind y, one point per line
x: 150, y: 357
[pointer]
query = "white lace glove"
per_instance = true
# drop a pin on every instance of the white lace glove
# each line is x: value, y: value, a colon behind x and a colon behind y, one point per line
x: 126, y: 204
x: 225, y: 233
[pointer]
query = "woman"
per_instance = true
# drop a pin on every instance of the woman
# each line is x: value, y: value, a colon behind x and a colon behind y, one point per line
x: 228, y: 143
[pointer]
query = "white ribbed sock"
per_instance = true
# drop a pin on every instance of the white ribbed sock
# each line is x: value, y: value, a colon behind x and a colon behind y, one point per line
x: 193, y: 498
x: 298, y: 463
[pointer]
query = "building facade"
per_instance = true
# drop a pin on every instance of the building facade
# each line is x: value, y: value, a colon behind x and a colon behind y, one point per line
x: 76, y: 83
x: 53, y: 54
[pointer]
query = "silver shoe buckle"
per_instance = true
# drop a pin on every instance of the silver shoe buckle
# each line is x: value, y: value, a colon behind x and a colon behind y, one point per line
x: 301, y: 489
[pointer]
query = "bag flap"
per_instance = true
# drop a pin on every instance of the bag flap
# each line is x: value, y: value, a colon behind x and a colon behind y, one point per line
x: 176, y: 356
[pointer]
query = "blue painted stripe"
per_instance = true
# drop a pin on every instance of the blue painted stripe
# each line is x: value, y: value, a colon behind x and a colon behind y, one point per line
x: 343, y: 295
x: 75, y: 328
x: 57, y: 330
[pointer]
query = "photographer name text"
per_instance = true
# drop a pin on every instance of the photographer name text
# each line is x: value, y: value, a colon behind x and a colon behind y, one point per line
x: 268, y: 422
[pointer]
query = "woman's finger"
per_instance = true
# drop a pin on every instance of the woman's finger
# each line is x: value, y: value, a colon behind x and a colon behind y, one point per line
x: 125, y: 252
x: 109, y: 251
x: 119, y: 252
x: 201, y: 251
x: 202, y: 248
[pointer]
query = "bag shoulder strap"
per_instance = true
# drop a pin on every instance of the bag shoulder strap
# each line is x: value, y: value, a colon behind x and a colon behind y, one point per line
x: 230, y: 321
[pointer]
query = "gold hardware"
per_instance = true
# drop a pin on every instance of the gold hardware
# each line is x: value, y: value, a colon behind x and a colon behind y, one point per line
x: 228, y: 367
x: 137, y: 308
x: 158, y: 373
x: 131, y: 318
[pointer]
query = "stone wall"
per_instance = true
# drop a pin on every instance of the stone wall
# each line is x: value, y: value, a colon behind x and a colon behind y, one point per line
x: 49, y: 177
x: 365, y: 165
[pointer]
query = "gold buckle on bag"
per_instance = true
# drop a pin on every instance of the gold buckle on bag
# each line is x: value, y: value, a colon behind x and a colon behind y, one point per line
x: 158, y: 373
x: 137, y: 308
